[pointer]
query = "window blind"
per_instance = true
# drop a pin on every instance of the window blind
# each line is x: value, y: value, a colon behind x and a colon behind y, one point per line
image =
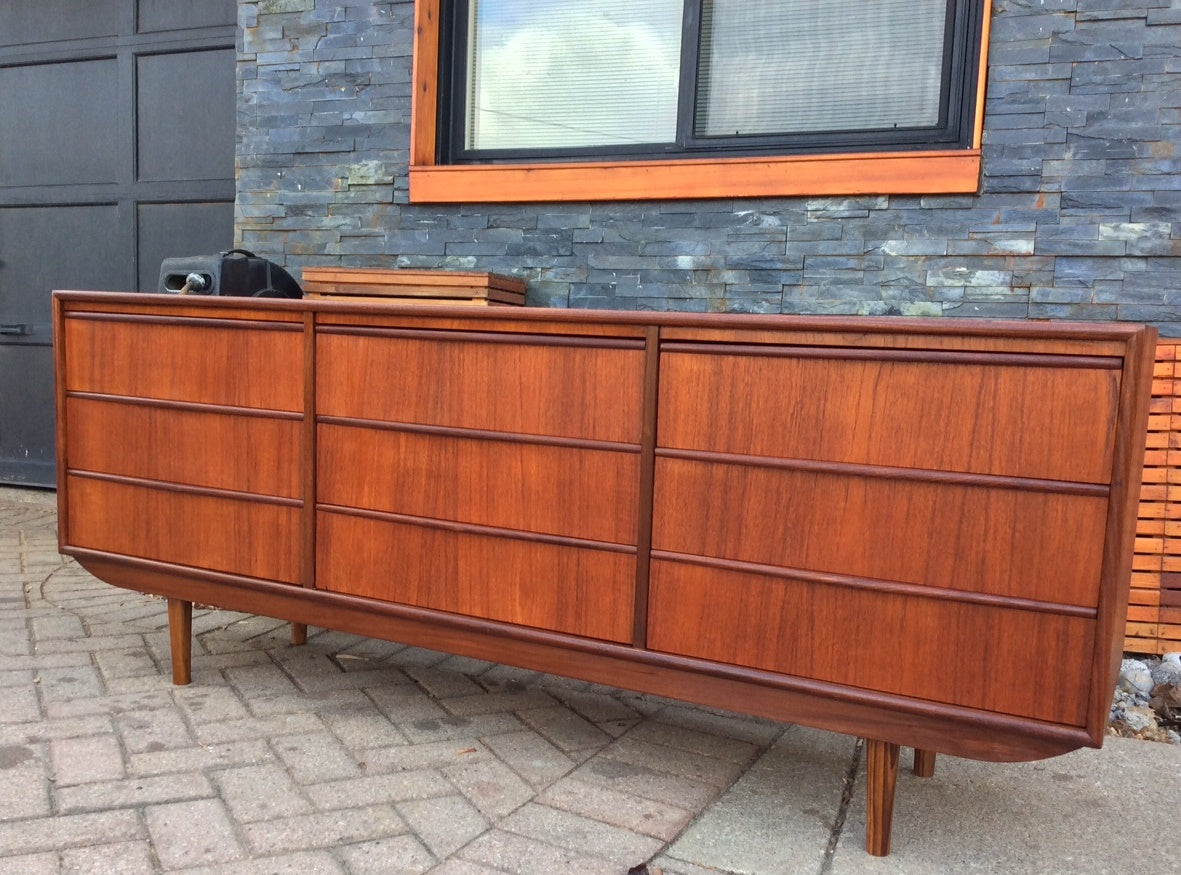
x: 572, y: 73
x: 797, y: 66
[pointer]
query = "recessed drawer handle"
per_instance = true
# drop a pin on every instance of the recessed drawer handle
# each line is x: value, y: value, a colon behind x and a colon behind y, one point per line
x: 18, y: 329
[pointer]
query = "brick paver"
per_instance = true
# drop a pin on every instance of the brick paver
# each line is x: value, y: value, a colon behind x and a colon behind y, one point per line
x: 347, y: 755
x: 351, y: 756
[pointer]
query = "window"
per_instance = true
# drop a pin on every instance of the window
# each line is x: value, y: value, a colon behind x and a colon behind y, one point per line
x: 600, y: 99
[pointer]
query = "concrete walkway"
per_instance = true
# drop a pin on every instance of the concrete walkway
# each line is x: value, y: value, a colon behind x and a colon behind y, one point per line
x: 357, y: 756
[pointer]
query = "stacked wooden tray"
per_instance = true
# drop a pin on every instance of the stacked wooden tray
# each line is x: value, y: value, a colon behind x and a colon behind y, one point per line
x: 413, y: 286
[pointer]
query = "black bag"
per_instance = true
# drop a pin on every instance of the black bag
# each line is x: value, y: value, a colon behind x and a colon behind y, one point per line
x: 233, y: 272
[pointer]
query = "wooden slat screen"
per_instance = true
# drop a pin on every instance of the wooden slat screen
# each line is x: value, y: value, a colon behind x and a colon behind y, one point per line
x: 1154, y: 604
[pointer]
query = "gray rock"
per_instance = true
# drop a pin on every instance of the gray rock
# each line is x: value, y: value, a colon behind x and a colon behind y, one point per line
x: 1121, y: 701
x: 1167, y: 673
x: 1135, y: 677
x: 1139, y: 718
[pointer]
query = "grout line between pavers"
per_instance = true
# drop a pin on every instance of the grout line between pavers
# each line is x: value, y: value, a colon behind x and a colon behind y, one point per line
x: 838, y: 826
x: 706, y: 807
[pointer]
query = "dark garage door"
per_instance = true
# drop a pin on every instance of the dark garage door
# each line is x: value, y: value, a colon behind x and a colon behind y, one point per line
x: 116, y: 151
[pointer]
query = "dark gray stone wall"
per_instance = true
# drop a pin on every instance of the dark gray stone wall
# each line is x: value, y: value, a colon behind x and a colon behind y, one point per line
x: 1078, y: 217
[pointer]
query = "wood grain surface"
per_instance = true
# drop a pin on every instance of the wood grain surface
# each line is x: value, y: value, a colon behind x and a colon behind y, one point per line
x: 545, y: 585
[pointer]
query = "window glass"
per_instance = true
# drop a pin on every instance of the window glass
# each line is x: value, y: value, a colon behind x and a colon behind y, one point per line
x: 572, y: 73
x: 796, y: 66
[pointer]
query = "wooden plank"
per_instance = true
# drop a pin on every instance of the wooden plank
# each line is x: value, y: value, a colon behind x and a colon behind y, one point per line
x: 1154, y: 492
x: 1150, y: 528
x: 1155, y: 475
x: 186, y: 446
x: 334, y: 316
x: 222, y: 533
x: 1147, y: 562
x: 1170, y: 594
x: 518, y: 386
x: 776, y: 176
x: 206, y: 363
x: 176, y: 308
x: 1133, y: 644
x: 1146, y: 580
x: 982, y: 74
x: 558, y: 490
x: 876, y: 335
x: 61, y: 425
x: 1143, y: 613
x: 307, y: 464
x: 417, y: 301
x: 866, y: 411
x: 1145, y: 597
x: 414, y: 293
x: 772, y: 624
x: 1156, y: 458
x: 327, y: 278
x: 646, y: 484
x: 580, y: 591
x: 425, y: 77
x: 875, y: 528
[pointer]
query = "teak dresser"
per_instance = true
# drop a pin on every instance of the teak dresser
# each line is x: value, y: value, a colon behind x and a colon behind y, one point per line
x: 871, y: 526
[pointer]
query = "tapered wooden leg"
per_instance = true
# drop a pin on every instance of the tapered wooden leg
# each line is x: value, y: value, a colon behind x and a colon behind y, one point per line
x: 924, y: 763
x: 299, y: 634
x: 180, y: 638
x: 881, y: 763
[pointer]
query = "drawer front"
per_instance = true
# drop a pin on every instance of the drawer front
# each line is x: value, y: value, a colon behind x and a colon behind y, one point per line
x: 563, y: 588
x: 255, y: 454
x: 555, y: 490
x: 1018, y: 420
x: 579, y: 388
x: 257, y: 365
x: 218, y: 533
x: 1004, y: 541
x: 974, y: 655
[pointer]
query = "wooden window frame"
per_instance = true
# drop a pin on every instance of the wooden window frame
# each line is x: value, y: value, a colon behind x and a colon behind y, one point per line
x: 945, y: 171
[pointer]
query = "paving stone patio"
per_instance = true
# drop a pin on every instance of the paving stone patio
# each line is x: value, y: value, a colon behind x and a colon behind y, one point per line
x: 350, y: 755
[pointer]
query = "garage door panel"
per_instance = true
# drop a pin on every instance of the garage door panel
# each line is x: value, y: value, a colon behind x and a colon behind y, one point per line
x: 37, y: 21
x: 67, y: 132
x: 26, y: 421
x: 156, y: 15
x: 186, y: 112
x: 43, y: 248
